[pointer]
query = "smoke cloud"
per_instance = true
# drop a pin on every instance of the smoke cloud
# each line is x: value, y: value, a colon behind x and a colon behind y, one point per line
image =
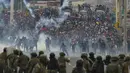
x: 28, y: 7
x: 5, y: 2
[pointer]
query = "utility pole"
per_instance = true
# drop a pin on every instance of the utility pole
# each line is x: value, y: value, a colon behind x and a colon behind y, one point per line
x: 122, y: 22
x: 11, y: 11
x: 124, y: 26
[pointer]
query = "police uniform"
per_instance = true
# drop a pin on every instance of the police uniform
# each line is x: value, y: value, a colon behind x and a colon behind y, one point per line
x: 13, y: 61
x: 62, y: 63
x: 44, y: 60
x: 39, y: 68
x: 79, y: 67
x: 53, y: 66
x: 86, y: 63
x: 126, y: 65
x: 22, y: 62
x: 31, y: 64
x: 3, y: 61
x: 114, y: 67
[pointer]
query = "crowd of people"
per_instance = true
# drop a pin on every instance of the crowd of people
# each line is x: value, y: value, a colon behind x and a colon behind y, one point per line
x: 85, y: 28
x: 87, y: 25
x: 18, y: 62
x: 79, y: 28
x: 84, y: 25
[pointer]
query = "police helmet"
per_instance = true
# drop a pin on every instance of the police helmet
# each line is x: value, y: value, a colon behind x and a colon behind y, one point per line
x: 91, y: 54
x: 52, y: 55
x: 121, y: 56
x: 62, y: 54
x: 41, y: 52
x: 33, y: 54
x: 114, y: 58
x: 79, y: 63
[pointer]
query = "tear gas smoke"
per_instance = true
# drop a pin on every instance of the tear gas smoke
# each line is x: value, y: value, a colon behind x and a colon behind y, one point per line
x: 50, y: 22
x: 28, y: 7
x: 41, y: 42
x: 65, y: 3
x: 5, y: 3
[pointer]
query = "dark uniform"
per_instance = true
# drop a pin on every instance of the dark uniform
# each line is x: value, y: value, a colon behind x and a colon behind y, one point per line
x: 22, y: 62
x: 79, y: 67
x: 62, y: 62
x: 92, y: 58
x: 13, y: 61
x: 113, y: 67
x: 44, y: 60
x: 98, y: 66
x: 107, y: 60
x: 86, y: 63
x: 3, y: 60
x: 126, y: 65
x: 53, y: 66
x: 121, y: 60
x: 41, y: 66
x: 40, y: 53
x: 34, y: 60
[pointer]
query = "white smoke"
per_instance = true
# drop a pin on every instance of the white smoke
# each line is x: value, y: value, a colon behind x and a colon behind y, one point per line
x: 5, y: 2
x: 65, y: 3
x: 50, y: 22
x: 41, y: 42
x: 28, y: 7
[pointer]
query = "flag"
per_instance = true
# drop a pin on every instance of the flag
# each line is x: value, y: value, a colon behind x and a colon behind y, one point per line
x: 117, y: 25
x: 27, y: 13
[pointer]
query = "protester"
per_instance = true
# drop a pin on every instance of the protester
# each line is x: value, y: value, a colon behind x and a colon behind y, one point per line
x: 63, y: 48
x: 69, y: 28
x: 87, y: 23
